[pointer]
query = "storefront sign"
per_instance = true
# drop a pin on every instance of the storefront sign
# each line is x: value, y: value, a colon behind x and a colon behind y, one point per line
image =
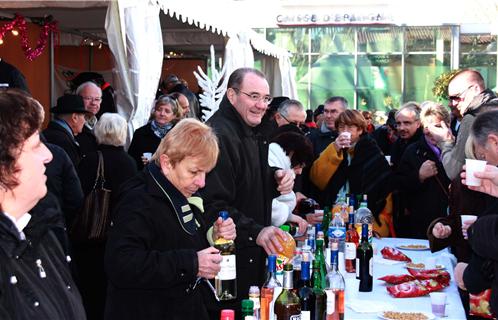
x: 334, y: 18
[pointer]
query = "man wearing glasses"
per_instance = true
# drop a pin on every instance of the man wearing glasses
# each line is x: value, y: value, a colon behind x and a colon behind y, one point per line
x: 290, y: 112
x: 467, y: 92
x: 242, y: 182
x: 92, y: 98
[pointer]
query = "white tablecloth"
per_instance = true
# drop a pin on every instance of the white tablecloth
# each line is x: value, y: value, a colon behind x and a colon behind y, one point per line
x: 380, y: 297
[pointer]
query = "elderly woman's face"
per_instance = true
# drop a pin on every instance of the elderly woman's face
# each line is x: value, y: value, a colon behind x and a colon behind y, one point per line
x: 31, y: 175
x: 188, y: 175
x: 163, y: 114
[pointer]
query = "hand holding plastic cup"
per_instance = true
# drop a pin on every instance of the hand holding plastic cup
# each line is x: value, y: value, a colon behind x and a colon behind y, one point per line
x: 467, y: 221
x: 344, y: 139
x: 438, y: 303
x: 472, y: 166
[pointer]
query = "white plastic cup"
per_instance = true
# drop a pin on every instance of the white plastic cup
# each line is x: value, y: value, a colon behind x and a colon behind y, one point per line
x: 467, y: 218
x: 438, y: 303
x: 347, y: 134
x: 430, y: 263
x: 147, y: 155
x: 388, y: 159
x: 472, y: 166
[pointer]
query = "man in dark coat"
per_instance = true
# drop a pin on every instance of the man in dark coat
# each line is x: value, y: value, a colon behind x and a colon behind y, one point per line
x: 63, y: 182
x: 242, y: 181
x: 67, y: 124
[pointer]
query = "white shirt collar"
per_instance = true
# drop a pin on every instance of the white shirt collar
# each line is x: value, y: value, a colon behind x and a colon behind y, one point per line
x: 20, y: 223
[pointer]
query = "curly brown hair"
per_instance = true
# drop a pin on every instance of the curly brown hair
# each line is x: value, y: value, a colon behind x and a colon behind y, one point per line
x: 20, y: 117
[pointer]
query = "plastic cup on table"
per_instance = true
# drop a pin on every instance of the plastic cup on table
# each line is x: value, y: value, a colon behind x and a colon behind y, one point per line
x: 472, y: 166
x: 430, y: 263
x: 438, y: 303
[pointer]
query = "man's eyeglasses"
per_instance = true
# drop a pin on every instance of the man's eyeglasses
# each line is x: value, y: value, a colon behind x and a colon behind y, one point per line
x: 255, y: 97
x: 92, y: 99
x: 458, y: 97
x: 290, y: 122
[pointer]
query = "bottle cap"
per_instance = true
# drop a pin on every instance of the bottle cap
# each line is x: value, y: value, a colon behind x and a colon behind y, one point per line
x: 305, y: 270
x: 285, y: 228
x: 318, y: 227
x: 223, y: 215
x: 272, y: 263
x: 253, y: 290
x: 247, y: 305
x: 288, y: 267
x: 227, y: 314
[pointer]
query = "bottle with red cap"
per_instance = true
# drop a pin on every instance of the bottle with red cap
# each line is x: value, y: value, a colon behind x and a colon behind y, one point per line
x: 227, y: 314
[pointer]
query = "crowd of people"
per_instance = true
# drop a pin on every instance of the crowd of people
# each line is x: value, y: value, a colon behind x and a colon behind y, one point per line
x: 257, y: 157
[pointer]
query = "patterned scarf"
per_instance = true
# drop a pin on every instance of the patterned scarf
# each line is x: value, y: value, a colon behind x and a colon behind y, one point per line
x: 160, y: 131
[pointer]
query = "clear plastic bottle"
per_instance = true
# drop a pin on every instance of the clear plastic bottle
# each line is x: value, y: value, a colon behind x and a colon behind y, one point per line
x: 254, y: 296
x: 364, y: 215
x: 334, y: 288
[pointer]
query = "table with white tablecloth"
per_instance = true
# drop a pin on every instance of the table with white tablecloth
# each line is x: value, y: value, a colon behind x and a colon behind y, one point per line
x: 379, y: 298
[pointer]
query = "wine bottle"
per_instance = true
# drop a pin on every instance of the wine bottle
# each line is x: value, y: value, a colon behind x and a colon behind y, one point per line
x: 287, y: 305
x: 271, y: 287
x: 306, y: 294
x: 335, y: 287
x: 226, y: 280
x: 364, y: 261
x: 320, y: 297
x: 352, y: 240
x: 321, y: 259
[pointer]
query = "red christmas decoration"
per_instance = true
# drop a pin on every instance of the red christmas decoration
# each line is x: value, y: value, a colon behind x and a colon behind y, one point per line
x: 19, y: 23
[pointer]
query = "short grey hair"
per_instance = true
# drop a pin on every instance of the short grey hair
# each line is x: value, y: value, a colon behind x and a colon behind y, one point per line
x: 86, y: 84
x: 285, y: 106
x: 111, y: 129
x: 411, y: 106
x: 486, y: 123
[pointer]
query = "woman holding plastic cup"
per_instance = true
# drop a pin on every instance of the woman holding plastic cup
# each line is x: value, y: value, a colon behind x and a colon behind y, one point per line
x: 146, y: 139
x: 353, y: 163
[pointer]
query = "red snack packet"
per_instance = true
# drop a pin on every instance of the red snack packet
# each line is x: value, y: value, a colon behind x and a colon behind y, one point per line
x: 408, y: 290
x: 394, y: 254
x: 442, y: 276
x: 433, y: 285
x: 479, y: 305
x: 397, y: 279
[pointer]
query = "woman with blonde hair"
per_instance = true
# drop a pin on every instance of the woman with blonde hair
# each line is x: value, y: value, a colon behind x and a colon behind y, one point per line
x: 159, y: 252
x: 146, y: 139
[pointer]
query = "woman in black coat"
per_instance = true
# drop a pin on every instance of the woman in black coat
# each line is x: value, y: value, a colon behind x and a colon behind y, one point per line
x: 353, y: 163
x: 158, y: 255
x: 111, y: 132
x: 421, y: 175
x: 35, y: 280
x: 146, y: 139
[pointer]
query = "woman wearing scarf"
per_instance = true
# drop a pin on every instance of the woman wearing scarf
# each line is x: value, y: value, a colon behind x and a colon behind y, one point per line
x: 354, y: 164
x: 146, y: 139
x: 422, y: 176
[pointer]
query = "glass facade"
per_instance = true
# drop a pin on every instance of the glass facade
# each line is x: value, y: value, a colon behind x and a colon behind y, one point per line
x: 379, y: 67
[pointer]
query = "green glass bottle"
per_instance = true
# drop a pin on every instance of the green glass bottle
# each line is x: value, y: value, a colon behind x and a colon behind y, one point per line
x: 320, y: 297
x: 287, y: 305
x: 247, y: 308
x: 321, y: 259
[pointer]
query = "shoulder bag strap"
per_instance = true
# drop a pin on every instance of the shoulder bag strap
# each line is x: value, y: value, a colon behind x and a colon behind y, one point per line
x: 100, y: 171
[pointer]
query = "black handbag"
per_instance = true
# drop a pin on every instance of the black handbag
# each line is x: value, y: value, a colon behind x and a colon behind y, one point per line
x: 93, y: 221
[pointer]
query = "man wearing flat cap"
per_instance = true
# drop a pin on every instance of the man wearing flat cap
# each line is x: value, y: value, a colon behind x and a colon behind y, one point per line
x: 69, y: 119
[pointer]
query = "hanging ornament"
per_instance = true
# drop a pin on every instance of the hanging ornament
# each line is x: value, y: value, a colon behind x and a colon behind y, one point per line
x: 19, y: 26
